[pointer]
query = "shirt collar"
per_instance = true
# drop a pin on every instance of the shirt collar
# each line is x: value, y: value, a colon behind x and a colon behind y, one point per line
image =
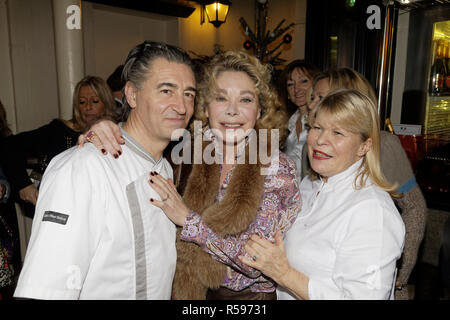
x: 292, y: 123
x: 293, y: 120
x: 350, y: 173
x: 131, y: 143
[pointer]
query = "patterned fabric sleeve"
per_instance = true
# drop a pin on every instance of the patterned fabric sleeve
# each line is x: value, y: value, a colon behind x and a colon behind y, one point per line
x: 278, y: 211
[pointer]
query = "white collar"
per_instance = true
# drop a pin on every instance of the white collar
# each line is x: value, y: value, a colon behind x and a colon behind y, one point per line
x: 137, y: 148
x: 347, y: 174
x: 292, y: 123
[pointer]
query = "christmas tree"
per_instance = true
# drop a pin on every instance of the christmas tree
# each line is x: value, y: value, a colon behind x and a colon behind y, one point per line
x: 261, y: 40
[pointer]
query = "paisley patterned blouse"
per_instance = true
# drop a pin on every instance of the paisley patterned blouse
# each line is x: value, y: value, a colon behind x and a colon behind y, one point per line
x: 278, y: 210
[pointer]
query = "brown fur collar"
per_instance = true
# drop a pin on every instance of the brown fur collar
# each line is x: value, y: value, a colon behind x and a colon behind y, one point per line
x: 196, y: 270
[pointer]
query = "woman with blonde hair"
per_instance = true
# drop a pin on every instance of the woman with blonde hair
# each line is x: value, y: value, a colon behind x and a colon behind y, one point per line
x: 92, y: 100
x: 395, y: 166
x: 225, y: 202
x: 348, y: 236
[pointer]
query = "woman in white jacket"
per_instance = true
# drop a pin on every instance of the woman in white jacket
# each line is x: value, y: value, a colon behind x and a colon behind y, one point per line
x: 348, y: 236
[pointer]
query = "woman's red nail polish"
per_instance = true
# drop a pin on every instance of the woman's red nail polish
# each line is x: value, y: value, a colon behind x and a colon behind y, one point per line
x: 151, y: 173
x: 120, y: 152
x: 151, y: 181
x: 116, y: 155
x: 151, y: 200
x: 103, y: 151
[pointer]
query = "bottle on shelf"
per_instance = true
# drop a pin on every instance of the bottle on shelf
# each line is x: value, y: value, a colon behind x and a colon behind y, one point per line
x: 447, y: 65
x: 389, y: 126
x: 438, y: 71
x: 445, y: 89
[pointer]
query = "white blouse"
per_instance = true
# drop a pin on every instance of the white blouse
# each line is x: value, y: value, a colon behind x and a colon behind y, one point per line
x: 295, y: 145
x: 346, y: 241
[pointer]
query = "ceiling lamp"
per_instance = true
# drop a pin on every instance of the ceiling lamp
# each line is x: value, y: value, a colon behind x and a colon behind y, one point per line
x: 216, y: 11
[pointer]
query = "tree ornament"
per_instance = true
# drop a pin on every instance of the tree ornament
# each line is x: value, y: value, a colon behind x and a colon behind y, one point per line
x: 260, y: 40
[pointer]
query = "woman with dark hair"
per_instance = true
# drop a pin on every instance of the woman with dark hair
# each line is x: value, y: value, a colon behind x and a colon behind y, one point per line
x: 295, y: 85
x: 92, y: 100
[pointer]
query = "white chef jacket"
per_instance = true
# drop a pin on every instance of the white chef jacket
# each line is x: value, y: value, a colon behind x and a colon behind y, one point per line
x: 294, y: 144
x: 345, y: 241
x: 95, y: 234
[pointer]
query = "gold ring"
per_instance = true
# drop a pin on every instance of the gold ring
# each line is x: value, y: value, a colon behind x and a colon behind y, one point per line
x: 90, y: 135
x: 167, y: 197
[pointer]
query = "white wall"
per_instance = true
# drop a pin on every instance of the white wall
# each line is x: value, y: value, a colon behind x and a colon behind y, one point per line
x: 110, y: 33
x: 32, y: 62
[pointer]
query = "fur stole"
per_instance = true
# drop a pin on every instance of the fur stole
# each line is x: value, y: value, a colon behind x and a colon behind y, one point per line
x: 196, y: 270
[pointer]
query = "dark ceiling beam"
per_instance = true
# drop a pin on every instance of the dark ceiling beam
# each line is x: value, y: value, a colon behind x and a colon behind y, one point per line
x: 159, y: 7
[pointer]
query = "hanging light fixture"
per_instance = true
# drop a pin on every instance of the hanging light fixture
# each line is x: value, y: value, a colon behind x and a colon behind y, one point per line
x: 217, y: 11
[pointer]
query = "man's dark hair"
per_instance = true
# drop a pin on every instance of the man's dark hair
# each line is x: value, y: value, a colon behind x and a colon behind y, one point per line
x: 114, y: 81
x: 139, y: 61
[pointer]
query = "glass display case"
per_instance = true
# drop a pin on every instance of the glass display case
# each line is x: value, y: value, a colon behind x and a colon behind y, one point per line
x: 437, y: 114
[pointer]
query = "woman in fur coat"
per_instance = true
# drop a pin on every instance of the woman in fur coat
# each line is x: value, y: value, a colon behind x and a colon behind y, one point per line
x: 226, y: 202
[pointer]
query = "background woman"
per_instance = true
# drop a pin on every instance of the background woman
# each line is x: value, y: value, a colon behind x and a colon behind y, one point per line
x: 295, y: 85
x: 92, y: 100
x: 395, y: 166
x: 345, y: 241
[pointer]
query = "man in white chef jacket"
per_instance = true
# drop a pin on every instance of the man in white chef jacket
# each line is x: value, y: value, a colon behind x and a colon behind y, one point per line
x: 95, y: 234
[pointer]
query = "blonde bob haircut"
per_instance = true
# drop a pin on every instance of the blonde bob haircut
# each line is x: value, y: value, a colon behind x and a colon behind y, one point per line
x: 273, y: 116
x: 101, y: 89
x: 346, y: 78
x: 354, y: 111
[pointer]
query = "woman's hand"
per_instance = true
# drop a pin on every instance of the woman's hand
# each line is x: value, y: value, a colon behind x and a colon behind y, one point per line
x: 29, y: 194
x: 106, y: 137
x: 269, y: 258
x: 171, y: 202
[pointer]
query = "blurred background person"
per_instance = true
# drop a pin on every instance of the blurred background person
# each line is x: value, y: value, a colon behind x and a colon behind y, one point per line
x: 92, y: 100
x: 10, y: 258
x: 294, y: 88
x: 116, y: 84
